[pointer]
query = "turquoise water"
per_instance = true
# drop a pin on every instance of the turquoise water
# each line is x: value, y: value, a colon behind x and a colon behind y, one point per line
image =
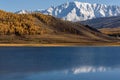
x: 60, y: 63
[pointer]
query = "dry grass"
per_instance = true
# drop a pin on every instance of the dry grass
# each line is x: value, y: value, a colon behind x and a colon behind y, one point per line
x: 54, y: 40
x: 110, y: 30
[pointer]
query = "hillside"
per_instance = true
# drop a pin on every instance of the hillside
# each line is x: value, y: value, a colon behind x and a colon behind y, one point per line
x: 108, y: 25
x: 107, y: 22
x: 39, y: 28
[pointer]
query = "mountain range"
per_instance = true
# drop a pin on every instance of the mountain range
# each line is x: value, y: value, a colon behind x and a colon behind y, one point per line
x: 79, y: 11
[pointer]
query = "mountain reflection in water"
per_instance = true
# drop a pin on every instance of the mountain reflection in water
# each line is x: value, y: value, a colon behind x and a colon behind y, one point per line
x: 61, y: 63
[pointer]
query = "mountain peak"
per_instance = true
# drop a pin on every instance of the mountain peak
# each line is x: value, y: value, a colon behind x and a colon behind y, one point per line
x: 22, y: 12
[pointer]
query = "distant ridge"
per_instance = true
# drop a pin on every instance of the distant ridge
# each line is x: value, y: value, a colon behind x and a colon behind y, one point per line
x: 106, y: 22
x: 22, y: 12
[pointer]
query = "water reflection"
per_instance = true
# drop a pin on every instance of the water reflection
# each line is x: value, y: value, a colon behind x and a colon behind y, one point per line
x: 87, y: 69
x: 64, y: 63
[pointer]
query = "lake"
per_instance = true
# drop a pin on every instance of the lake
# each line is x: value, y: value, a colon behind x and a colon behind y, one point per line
x: 60, y: 63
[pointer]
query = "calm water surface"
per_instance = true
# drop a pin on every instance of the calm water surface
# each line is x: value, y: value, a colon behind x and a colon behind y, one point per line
x: 61, y: 63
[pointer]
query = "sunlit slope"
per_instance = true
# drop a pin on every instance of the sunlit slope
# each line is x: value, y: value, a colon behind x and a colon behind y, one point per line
x: 39, y: 28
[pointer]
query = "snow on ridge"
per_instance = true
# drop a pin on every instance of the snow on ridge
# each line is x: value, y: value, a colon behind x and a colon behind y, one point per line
x: 22, y: 12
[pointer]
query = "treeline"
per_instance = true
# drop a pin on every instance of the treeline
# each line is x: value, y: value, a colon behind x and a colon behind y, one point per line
x: 34, y: 24
x: 19, y: 24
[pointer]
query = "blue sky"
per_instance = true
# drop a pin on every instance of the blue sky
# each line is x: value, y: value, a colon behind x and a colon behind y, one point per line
x: 15, y: 5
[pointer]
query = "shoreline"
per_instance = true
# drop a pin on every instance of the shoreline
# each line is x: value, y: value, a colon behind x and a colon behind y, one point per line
x: 60, y: 45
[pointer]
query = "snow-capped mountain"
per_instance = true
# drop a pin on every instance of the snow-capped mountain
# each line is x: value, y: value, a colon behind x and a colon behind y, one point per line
x: 79, y: 11
x: 22, y: 12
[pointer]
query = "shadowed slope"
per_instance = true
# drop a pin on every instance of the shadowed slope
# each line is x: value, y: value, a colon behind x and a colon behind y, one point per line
x: 109, y: 25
